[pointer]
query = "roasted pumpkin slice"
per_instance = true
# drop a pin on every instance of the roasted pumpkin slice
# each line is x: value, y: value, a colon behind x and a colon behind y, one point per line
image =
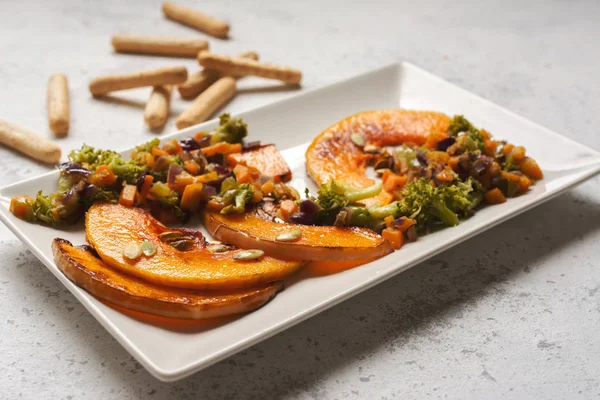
x: 92, y: 274
x: 330, y: 243
x: 182, y: 258
x: 337, y: 153
x: 267, y: 159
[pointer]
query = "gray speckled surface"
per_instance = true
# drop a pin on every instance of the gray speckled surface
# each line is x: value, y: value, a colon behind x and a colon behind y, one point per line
x: 513, y: 313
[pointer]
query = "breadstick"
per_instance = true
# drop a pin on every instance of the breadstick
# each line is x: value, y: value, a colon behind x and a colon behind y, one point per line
x: 196, y: 19
x: 157, y: 108
x: 208, y: 102
x: 200, y: 80
x: 163, y: 45
x: 58, y: 105
x: 242, y: 66
x: 156, y: 77
x: 29, y: 143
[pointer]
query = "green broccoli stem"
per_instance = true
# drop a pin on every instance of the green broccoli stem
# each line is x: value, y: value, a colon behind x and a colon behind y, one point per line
x: 446, y: 215
x: 381, y: 212
x: 353, y: 194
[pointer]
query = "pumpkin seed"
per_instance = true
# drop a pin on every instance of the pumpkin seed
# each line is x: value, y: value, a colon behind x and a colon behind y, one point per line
x: 372, y: 149
x: 148, y: 248
x: 167, y: 237
x: 247, y: 255
x: 289, y: 236
x: 183, y: 244
x: 358, y: 139
x: 132, y: 251
x: 218, y: 248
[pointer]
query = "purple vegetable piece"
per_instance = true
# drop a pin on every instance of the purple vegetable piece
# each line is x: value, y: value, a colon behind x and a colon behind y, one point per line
x: 421, y: 157
x: 411, y: 233
x: 89, y: 191
x: 75, y: 170
x: 161, y: 163
x: 217, y: 182
x: 251, y: 145
x: 208, y: 192
x: 398, y: 222
x: 174, y: 170
x: 302, y: 218
x: 445, y: 143
x: 140, y: 180
x: 189, y: 144
x: 309, y: 207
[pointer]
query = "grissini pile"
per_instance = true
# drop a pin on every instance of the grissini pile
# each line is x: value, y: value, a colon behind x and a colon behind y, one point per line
x: 200, y: 80
x: 157, y: 108
x: 157, y: 77
x: 161, y: 45
x: 29, y: 143
x: 243, y: 66
x: 208, y: 102
x: 58, y: 105
x: 196, y: 19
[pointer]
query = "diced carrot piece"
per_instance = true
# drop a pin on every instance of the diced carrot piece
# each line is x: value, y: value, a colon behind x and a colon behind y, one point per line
x: 485, y: 134
x: 214, y: 205
x: 266, y: 159
x: 257, y: 196
x: 508, y: 148
x: 490, y: 147
x: 198, y: 136
x: 510, y: 176
x: 192, y: 167
x: 181, y: 181
x: 173, y: 147
x: 530, y: 168
x: 221, y: 148
x: 192, y: 195
x: 22, y: 207
x: 156, y: 152
x: 494, y: 196
x: 128, y: 194
x: 103, y: 176
x: 433, y: 138
x: 518, y: 153
x: 242, y: 175
x: 391, y: 182
x: 524, y: 184
x: 210, y: 176
x: 268, y: 187
x: 388, y: 220
x: 287, y: 208
x: 394, y: 236
x: 406, y: 223
x: 145, y: 189
x: 438, y: 156
x: 453, y: 163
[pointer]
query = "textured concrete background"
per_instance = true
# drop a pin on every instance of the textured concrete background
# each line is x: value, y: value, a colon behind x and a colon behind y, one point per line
x: 513, y: 313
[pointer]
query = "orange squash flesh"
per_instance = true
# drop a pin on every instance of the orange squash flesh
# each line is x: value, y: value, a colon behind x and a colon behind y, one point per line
x: 267, y: 159
x: 111, y: 227
x: 333, y: 154
x: 97, y: 278
x: 323, y: 243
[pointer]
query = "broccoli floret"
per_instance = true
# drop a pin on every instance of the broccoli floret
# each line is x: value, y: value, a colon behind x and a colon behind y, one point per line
x: 87, y: 154
x: 459, y: 124
x: 126, y: 170
x: 431, y: 205
x: 163, y: 194
x: 147, y: 147
x: 229, y: 130
x: 472, y: 139
x: 235, y: 200
x: 45, y: 208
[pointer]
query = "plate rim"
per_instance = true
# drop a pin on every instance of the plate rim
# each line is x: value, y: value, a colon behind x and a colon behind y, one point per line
x: 169, y: 375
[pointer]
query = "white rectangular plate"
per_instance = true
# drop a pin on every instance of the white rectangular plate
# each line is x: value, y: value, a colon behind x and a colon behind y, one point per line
x: 171, y: 354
